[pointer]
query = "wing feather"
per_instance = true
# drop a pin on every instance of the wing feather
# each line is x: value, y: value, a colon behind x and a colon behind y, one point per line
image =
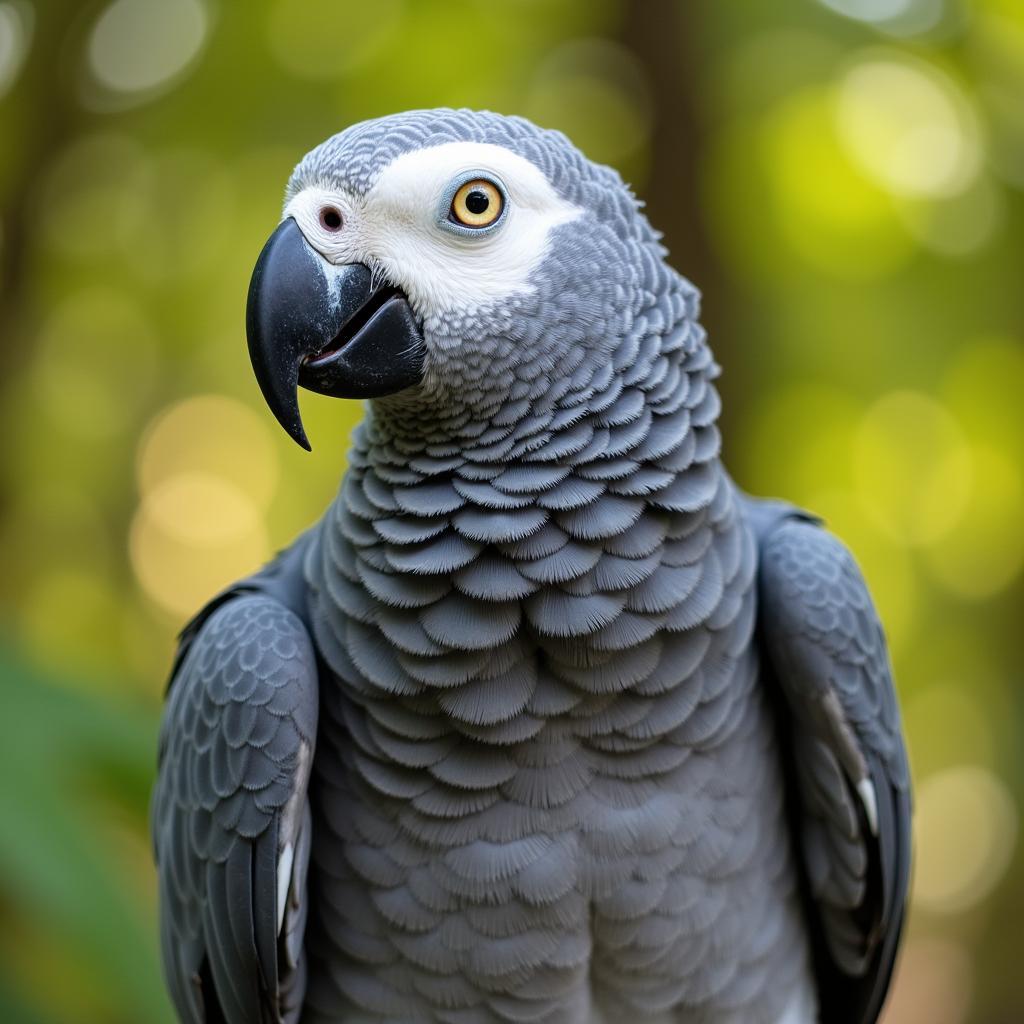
x: 236, y: 748
x: 847, y: 765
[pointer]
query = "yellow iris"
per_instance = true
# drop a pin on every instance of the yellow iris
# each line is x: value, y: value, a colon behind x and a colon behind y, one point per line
x: 477, y: 204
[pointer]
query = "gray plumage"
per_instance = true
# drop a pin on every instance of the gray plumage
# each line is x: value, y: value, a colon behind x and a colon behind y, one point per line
x: 573, y: 729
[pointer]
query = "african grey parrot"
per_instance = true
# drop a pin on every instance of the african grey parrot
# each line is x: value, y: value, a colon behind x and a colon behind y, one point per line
x: 544, y: 720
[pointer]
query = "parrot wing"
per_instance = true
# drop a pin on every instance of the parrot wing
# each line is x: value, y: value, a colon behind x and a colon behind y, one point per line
x: 230, y: 815
x: 844, y: 752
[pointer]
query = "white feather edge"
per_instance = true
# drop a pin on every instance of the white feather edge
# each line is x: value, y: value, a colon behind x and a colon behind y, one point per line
x: 284, y: 882
x: 869, y: 798
x: 802, y: 1008
x: 288, y: 829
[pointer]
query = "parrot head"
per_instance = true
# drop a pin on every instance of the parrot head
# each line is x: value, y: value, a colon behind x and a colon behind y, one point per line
x: 436, y: 259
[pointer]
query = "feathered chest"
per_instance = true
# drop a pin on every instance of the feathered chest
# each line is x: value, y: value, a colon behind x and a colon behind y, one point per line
x: 520, y: 725
x: 540, y: 721
x: 494, y: 620
x: 579, y: 567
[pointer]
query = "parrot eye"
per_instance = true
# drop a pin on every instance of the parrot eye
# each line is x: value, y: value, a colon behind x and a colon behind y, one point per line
x: 330, y: 218
x: 477, y: 204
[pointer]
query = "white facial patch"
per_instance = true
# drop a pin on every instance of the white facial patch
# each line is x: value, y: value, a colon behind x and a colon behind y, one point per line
x: 395, y: 227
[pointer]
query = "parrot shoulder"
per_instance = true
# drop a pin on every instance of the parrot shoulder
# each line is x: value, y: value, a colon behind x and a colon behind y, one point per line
x: 827, y: 667
x: 230, y: 814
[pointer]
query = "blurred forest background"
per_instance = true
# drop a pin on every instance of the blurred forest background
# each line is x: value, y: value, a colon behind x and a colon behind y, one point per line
x: 842, y: 178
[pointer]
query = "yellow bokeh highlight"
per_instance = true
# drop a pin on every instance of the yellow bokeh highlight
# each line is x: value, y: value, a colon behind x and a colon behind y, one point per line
x: 201, y: 510
x: 983, y: 553
x: 983, y: 387
x: 908, y: 126
x: 830, y: 211
x: 213, y: 435
x: 191, y: 538
x: 207, y: 469
x: 965, y: 829
x: 912, y: 467
x: 815, y: 428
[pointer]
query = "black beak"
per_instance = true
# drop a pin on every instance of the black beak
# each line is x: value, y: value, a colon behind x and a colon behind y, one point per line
x: 323, y: 326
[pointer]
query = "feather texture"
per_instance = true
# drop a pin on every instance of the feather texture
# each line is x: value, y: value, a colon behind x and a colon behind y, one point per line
x: 230, y: 809
x: 550, y: 780
x: 831, y: 665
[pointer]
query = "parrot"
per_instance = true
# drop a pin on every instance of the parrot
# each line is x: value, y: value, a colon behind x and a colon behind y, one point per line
x: 544, y: 719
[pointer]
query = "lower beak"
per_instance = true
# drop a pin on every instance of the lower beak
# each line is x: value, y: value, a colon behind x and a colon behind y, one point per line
x: 325, y: 327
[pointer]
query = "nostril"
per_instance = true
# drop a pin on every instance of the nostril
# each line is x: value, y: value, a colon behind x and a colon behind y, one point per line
x: 330, y: 218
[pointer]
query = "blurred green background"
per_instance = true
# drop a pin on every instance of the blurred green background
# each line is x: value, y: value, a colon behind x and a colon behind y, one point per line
x: 843, y: 180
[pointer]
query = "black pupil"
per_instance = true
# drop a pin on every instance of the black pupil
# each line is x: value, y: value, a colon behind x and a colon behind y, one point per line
x: 331, y: 219
x: 477, y: 201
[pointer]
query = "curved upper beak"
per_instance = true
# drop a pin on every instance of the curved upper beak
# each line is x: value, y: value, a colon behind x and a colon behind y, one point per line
x: 323, y: 326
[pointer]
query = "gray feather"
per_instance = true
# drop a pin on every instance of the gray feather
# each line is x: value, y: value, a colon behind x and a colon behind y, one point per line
x: 550, y: 780
x: 242, y: 703
x: 830, y: 658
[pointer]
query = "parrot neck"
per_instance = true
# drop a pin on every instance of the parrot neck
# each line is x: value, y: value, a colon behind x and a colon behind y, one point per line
x: 639, y: 429
x: 456, y: 551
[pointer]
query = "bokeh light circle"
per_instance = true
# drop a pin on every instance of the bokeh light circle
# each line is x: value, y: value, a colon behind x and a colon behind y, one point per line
x: 213, y: 435
x: 894, y: 17
x: 870, y: 10
x: 984, y: 552
x: 138, y: 47
x: 966, y: 829
x: 908, y: 126
x: 207, y: 469
x: 912, y: 467
x: 16, y: 23
x: 191, y: 537
x: 834, y: 215
x: 200, y: 509
x: 983, y: 388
